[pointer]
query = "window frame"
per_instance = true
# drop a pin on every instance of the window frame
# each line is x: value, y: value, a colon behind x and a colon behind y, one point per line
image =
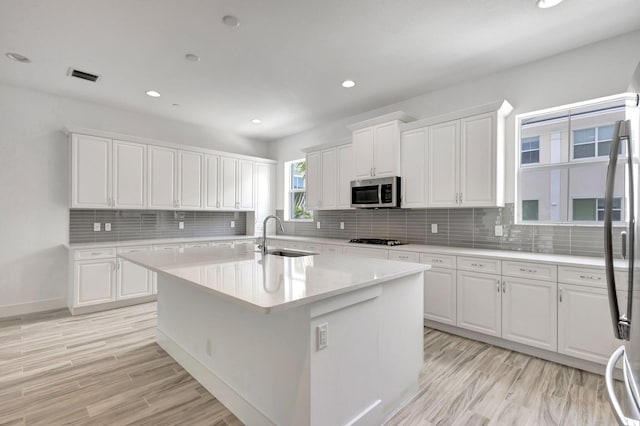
x: 289, y: 191
x: 522, y: 151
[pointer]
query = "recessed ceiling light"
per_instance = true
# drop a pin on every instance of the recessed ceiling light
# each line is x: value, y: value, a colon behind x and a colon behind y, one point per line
x: 18, y: 57
x: 176, y: 105
x: 191, y: 57
x: 153, y: 93
x: 256, y: 121
x: 546, y: 4
x: 347, y: 84
x: 230, y: 21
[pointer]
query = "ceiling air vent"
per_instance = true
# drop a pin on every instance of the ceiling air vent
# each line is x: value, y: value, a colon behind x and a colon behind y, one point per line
x: 82, y: 75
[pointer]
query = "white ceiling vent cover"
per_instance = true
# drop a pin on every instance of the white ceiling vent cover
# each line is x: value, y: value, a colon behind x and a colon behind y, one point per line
x: 73, y: 72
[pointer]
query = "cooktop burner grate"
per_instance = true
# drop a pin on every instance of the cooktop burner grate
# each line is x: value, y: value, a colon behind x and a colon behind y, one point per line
x: 380, y: 241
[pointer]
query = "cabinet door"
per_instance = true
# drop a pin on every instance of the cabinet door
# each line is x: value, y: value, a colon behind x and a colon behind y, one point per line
x: 133, y: 280
x: 162, y: 178
x: 442, y: 165
x: 584, y: 323
x: 190, y: 184
x: 345, y: 176
x: 228, y: 176
x: 314, y: 180
x: 94, y: 281
x: 478, y: 302
x: 413, y: 147
x: 129, y: 175
x: 363, y: 152
x: 329, y: 178
x: 440, y: 295
x: 478, y: 161
x: 529, y: 312
x: 211, y: 182
x: 265, y: 173
x: 386, y: 150
x: 90, y: 172
x: 246, y: 177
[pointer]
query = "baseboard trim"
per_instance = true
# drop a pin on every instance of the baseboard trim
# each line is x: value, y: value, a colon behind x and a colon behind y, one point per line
x: 20, y: 309
x: 239, y: 406
x: 80, y: 310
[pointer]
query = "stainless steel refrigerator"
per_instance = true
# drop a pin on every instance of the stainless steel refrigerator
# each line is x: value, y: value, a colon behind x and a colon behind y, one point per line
x: 625, y: 316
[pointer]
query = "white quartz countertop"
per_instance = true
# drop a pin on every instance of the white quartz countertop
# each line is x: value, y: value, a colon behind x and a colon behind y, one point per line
x: 271, y: 283
x: 151, y: 242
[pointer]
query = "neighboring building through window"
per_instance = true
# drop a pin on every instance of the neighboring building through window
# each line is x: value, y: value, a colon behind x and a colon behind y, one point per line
x: 296, y: 191
x: 563, y: 160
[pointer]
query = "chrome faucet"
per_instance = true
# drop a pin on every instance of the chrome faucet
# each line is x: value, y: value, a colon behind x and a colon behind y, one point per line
x: 263, y: 248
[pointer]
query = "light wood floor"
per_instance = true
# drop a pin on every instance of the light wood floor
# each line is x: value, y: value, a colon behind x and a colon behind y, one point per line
x: 106, y: 369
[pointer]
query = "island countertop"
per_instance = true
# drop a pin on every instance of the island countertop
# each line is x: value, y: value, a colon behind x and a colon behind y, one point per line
x: 269, y: 283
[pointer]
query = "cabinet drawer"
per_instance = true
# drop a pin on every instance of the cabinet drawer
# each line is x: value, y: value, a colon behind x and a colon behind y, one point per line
x: 198, y: 244
x: 167, y: 246
x: 404, y: 256
x: 438, y: 260
x: 97, y: 253
x: 591, y: 277
x: 293, y: 245
x: 316, y: 248
x: 332, y: 249
x: 221, y: 243
x: 537, y: 271
x: 133, y: 249
x: 367, y: 252
x: 491, y: 266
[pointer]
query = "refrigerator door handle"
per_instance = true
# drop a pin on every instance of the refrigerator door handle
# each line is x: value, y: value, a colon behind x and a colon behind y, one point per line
x: 611, y: 395
x: 620, y: 323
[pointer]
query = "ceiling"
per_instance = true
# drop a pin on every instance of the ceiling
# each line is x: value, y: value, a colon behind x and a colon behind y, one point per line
x: 285, y: 62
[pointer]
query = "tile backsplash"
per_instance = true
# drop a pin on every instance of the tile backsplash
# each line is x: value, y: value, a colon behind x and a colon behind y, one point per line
x: 459, y: 227
x: 129, y: 225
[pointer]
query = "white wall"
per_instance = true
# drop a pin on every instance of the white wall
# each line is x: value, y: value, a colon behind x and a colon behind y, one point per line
x: 593, y: 71
x: 34, y: 185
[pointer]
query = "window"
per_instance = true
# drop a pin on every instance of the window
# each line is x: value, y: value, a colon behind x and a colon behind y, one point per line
x: 295, y: 190
x: 563, y: 160
x: 530, y: 152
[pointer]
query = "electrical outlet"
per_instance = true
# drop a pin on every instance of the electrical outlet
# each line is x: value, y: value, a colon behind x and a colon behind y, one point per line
x: 209, y: 346
x: 233, y: 223
x: 498, y: 231
x: 107, y: 227
x: 180, y: 225
x: 322, y: 333
x: 96, y: 227
x: 341, y: 225
x: 317, y: 225
x: 434, y: 228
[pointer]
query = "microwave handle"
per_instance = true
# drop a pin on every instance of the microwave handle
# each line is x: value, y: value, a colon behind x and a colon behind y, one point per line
x: 379, y: 194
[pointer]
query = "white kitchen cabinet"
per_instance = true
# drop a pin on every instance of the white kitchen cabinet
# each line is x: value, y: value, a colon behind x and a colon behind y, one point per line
x: 236, y: 183
x: 322, y: 179
x: 212, y: 181
x: 442, y: 165
x: 529, y: 312
x: 132, y: 280
x: 129, y: 175
x: 94, y: 282
x: 376, y: 150
x: 479, y: 302
x: 108, y: 173
x: 345, y: 171
x: 190, y: 185
x: 265, y: 192
x: 162, y: 178
x: 440, y: 295
x: 413, y: 148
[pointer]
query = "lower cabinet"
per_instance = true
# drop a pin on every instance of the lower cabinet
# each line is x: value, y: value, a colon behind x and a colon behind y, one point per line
x: 132, y: 280
x: 440, y: 295
x: 94, y: 281
x: 529, y: 312
x: 479, y: 302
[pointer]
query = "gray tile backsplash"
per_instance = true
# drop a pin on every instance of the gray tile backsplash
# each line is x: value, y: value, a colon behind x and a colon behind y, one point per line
x: 471, y: 227
x: 129, y: 225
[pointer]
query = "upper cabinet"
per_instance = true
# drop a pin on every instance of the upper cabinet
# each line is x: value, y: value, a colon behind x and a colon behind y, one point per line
x: 107, y: 173
x: 116, y: 174
x: 376, y: 146
x: 463, y: 155
x: 265, y: 196
x: 345, y: 175
x: 329, y: 174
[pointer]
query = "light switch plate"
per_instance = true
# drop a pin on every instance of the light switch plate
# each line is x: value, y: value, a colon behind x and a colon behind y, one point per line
x: 341, y: 225
x: 498, y: 231
x: 322, y: 333
x: 107, y: 227
x: 96, y: 227
x: 233, y: 223
x: 317, y: 225
x: 434, y: 228
x: 180, y: 225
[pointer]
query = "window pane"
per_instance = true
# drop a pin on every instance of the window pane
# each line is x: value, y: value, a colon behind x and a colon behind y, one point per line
x: 298, y: 210
x: 605, y: 133
x: 616, y: 216
x: 298, y: 171
x: 584, y: 151
x: 584, y: 136
x: 530, y: 157
x: 584, y: 209
x: 529, y: 209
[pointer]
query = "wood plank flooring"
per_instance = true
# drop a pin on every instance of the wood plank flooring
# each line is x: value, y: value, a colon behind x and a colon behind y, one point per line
x: 106, y: 369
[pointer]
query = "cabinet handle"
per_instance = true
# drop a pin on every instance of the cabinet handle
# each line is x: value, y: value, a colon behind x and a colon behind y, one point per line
x: 504, y: 286
x: 498, y: 285
x: 218, y: 204
x: 477, y: 265
x: 589, y: 277
x: 461, y: 198
x: 456, y: 198
x: 113, y: 265
x: 374, y: 171
x: 529, y: 271
x: 560, y: 295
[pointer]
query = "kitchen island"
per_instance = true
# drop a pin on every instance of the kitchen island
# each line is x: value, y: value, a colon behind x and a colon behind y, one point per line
x: 310, y: 340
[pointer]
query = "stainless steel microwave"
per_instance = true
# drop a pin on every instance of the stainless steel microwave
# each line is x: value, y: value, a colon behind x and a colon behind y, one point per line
x: 376, y: 193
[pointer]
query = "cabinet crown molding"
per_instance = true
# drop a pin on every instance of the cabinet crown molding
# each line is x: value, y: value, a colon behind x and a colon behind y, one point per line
x: 320, y: 147
x: 502, y: 107
x: 397, y: 115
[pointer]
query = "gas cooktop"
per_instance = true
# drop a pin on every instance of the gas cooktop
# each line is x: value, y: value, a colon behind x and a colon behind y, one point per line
x: 380, y: 241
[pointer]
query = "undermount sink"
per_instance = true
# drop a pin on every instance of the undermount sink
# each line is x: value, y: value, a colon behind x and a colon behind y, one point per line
x: 290, y: 253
